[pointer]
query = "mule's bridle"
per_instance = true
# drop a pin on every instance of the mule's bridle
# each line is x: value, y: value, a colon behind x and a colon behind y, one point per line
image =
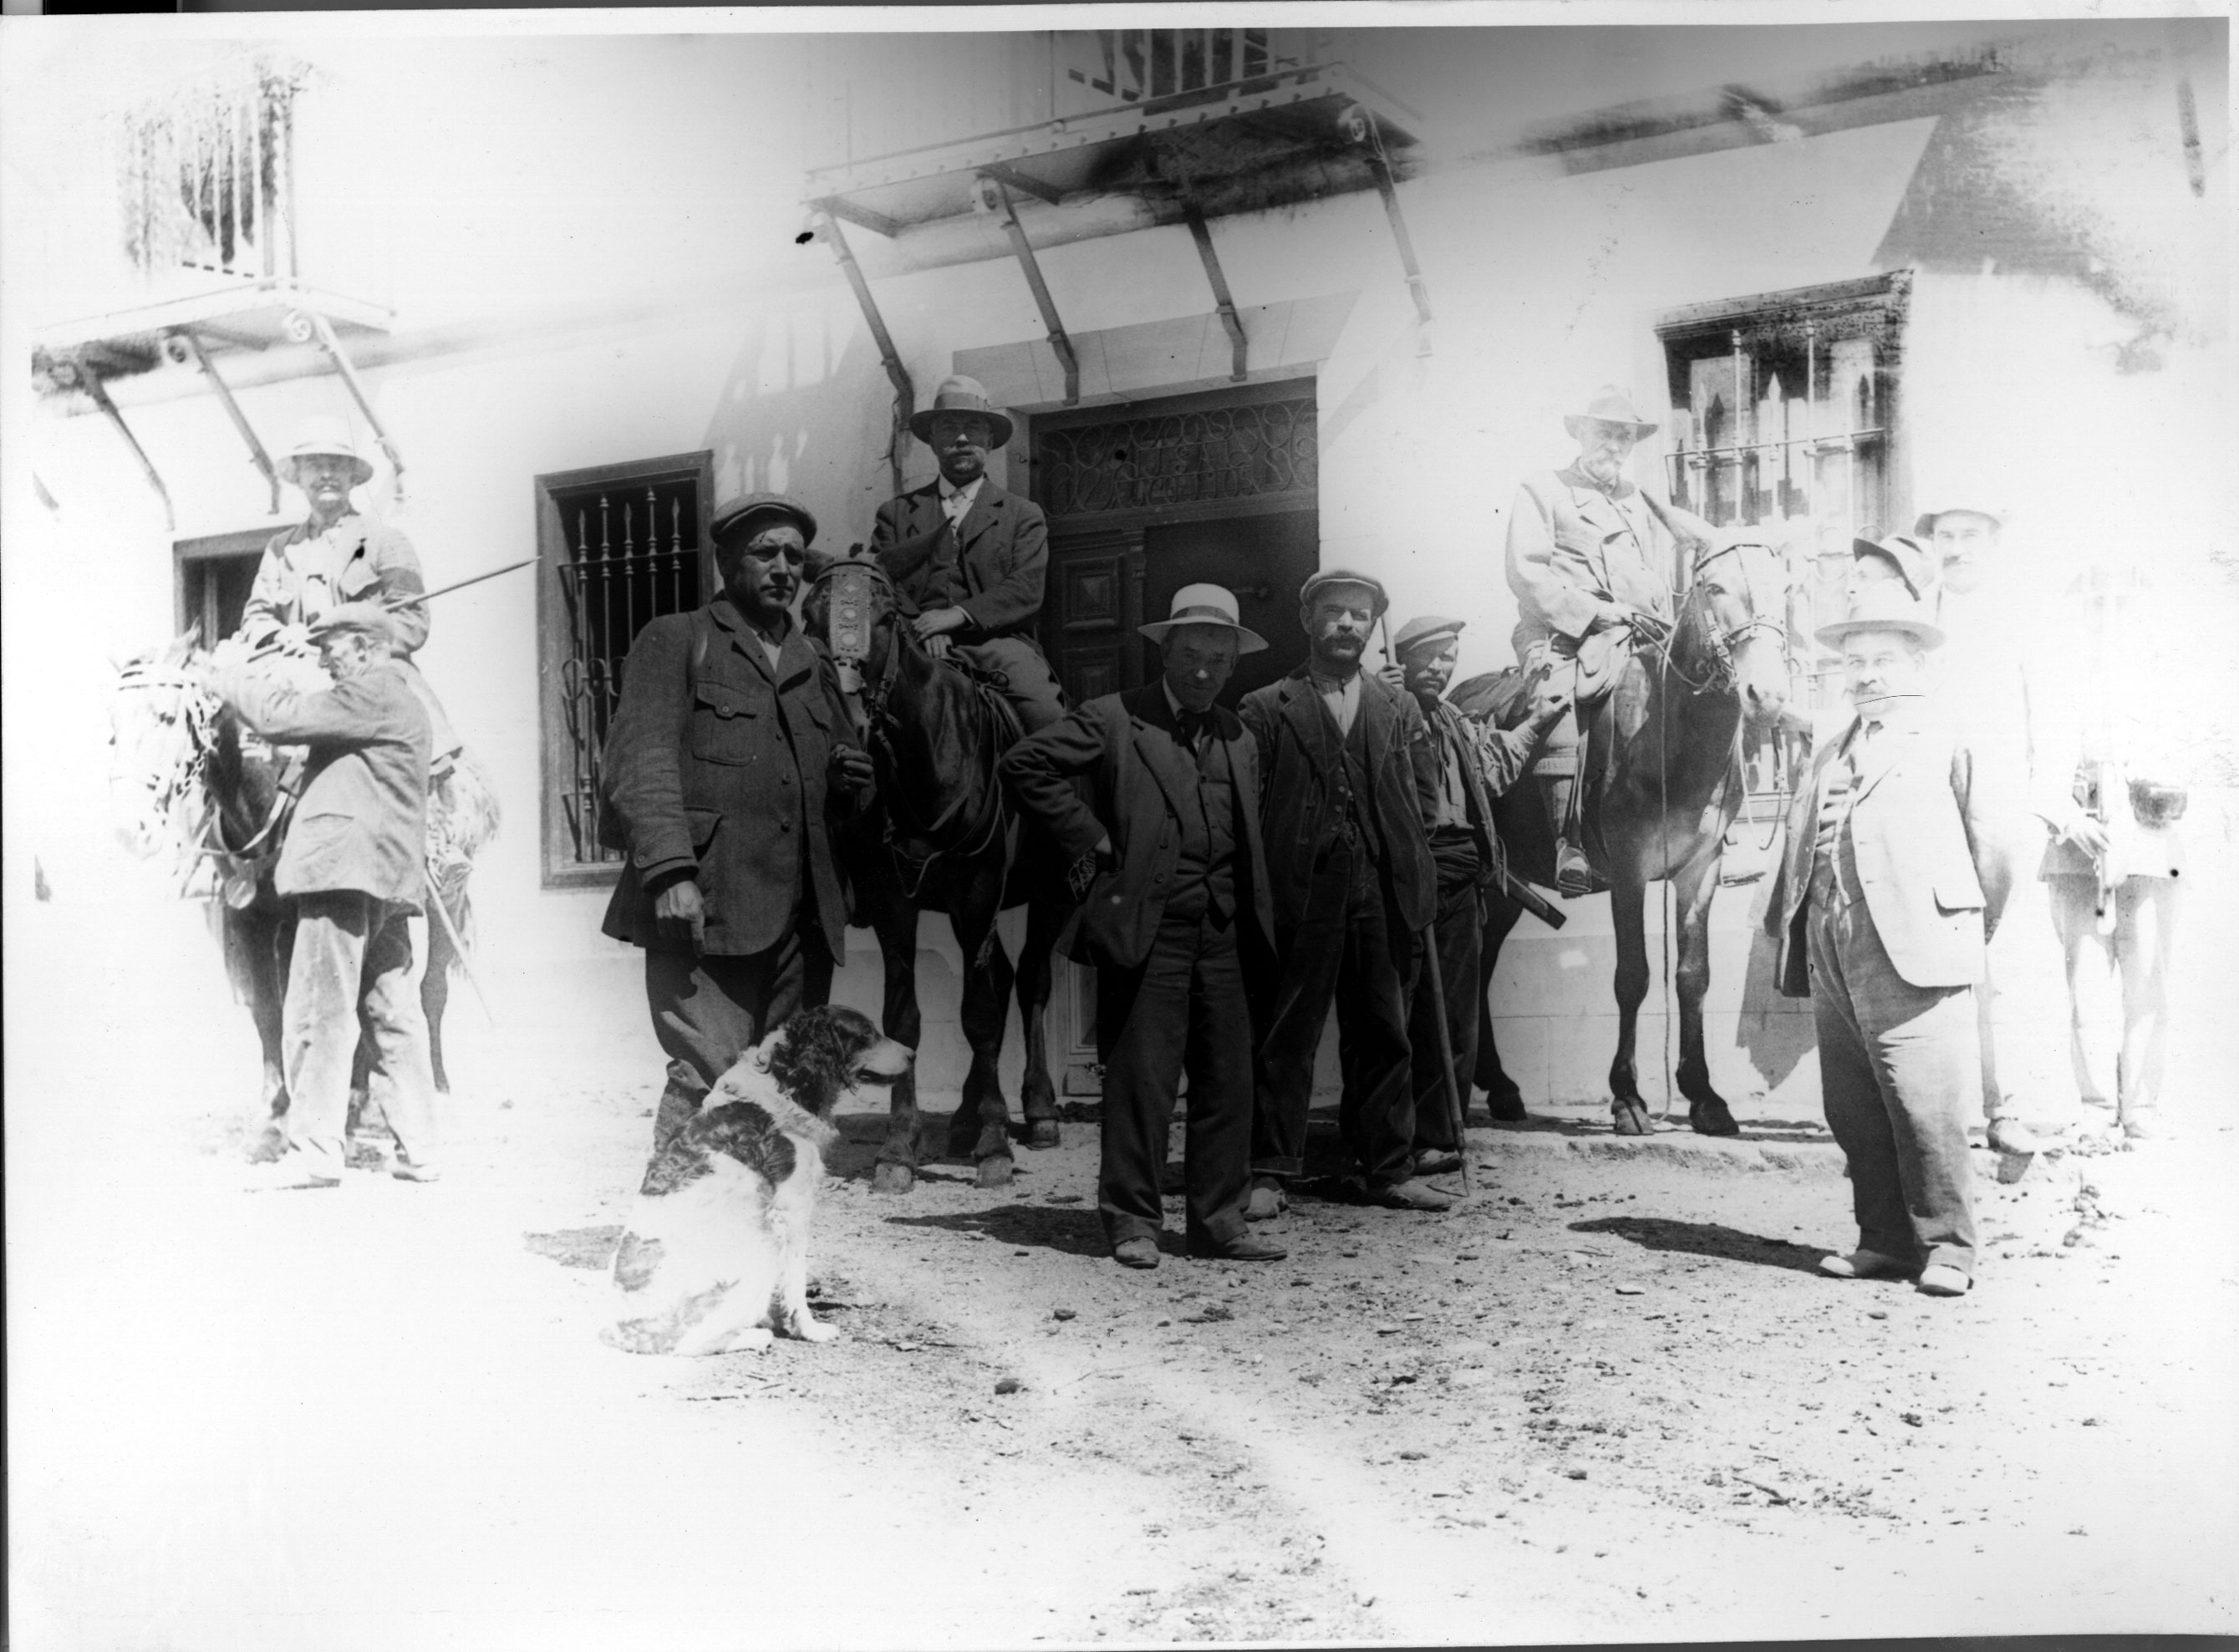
x: 190, y: 779
x: 1722, y: 674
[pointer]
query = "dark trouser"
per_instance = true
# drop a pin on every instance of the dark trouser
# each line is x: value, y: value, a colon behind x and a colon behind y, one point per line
x: 1350, y: 948
x: 1900, y: 1070
x: 708, y: 1011
x: 1459, y: 934
x: 1028, y: 683
x: 1183, y: 1010
x: 353, y: 958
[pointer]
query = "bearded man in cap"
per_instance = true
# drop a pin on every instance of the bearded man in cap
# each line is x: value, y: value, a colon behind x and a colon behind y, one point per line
x: 967, y: 560
x: 724, y: 766
x: 1179, y: 899
x: 1590, y: 558
x: 336, y: 555
x: 1351, y: 778
x: 1476, y: 764
x: 351, y: 864
x: 1890, y: 886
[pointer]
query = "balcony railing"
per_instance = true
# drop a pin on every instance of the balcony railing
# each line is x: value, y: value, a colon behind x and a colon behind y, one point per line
x: 1094, y: 71
x: 207, y: 174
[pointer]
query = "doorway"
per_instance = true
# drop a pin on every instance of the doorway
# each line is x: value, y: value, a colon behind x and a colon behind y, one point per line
x: 212, y: 577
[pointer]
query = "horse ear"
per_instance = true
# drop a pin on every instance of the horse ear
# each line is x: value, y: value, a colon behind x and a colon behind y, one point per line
x: 179, y: 648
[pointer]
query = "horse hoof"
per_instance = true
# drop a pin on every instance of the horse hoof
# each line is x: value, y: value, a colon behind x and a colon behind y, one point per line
x: 995, y: 1172
x: 1631, y: 1119
x: 893, y: 1179
x: 1711, y: 1119
x: 1043, y: 1132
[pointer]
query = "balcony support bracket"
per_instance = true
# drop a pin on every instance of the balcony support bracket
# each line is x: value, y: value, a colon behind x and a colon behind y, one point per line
x: 323, y: 332
x: 897, y: 375
x: 258, y: 456
x: 1223, y: 300
x: 1380, y: 164
x: 1058, y: 342
x: 89, y: 382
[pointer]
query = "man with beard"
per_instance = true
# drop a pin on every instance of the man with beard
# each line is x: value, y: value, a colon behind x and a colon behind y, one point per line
x: 724, y: 760
x: 1589, y: 560
x: 967, y: 560
x: 1351, y: 777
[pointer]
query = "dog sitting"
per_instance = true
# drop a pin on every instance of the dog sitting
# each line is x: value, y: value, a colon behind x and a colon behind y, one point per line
x: 715, y: 1256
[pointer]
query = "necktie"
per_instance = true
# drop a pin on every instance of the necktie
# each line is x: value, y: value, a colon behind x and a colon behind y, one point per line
x: 1188, y: 726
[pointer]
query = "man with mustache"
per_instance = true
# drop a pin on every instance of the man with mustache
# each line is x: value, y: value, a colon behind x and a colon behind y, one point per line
x: 1893, y: 880
x: 725, y: 760
x: 1589, y: 560
x: 1351, y: 777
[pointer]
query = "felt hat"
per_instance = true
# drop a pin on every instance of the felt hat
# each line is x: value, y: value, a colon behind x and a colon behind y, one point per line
x: 1926, y: 524
x: 1913, y: 562
x: 957, y: 394
x: 1882, y: 605
x: 328, y: 438
x: 1342, y: 576
x: 1611, y: 406
x: 369, y: 618
x: 735, y: 513
x: 1205, y: 605
x: 1421, y: 633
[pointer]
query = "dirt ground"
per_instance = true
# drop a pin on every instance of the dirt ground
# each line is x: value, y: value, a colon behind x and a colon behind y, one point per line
x: 1607, y: 1398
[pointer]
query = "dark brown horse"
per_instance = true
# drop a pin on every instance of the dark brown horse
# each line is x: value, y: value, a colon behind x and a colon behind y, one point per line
x: 182, y: 777
x: 1672, y: 731
x: 943, y: 837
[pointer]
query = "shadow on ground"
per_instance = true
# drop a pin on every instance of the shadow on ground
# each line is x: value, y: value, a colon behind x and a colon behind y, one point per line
x: 1705, y: 1239
x: 1072, y: 1232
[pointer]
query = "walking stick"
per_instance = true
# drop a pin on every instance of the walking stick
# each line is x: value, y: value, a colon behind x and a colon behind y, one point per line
x: 394, y: 603
x: 458, y: 943
x: 1454, y: 1105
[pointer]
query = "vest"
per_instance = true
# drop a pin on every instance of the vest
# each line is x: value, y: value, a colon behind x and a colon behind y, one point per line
x: 1205, y: 873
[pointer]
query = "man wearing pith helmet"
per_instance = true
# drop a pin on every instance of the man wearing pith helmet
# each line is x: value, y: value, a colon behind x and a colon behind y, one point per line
x: 968, y: 559
x: 1351, y: 778
x: 1177, y: 913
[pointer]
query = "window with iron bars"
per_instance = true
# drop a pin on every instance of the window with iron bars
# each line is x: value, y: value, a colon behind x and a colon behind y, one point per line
x: 621, y: 545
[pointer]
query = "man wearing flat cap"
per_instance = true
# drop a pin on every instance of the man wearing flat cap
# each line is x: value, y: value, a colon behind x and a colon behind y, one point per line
x: 1351, y: 778
x: 351, y: 864
x: 724, y: 766
x: 967, y: 560
x: 1179, y: 903
x: 1476, y: 764
x: 1590, y: 558
x: 1891, y: 884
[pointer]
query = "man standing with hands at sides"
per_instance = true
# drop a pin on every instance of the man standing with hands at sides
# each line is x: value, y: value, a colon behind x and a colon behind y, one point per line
x: 1179, y: 896
x: 1892, y: 881
x: 1351, y: 778
x: 1475, y: 765
x: 725, y: 756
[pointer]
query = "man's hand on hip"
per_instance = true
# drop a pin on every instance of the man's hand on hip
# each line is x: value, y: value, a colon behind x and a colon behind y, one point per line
x: 680, y: 914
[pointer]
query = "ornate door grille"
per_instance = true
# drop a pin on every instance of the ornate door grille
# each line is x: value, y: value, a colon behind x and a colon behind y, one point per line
x: 1261, y: 451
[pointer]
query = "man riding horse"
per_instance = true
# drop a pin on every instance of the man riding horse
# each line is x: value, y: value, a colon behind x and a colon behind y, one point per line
x: 1589, y: 560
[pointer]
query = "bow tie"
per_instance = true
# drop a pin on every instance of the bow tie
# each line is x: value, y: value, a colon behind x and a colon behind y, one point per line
x: 1189, y: 725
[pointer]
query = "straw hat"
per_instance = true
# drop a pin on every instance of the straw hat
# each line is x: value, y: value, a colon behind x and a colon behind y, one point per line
x: 1882, y: 605
x: 1205, y: 605
x: 1611, y: 406
x: 957, y: 394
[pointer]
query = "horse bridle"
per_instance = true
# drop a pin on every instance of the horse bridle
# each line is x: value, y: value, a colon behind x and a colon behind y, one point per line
x: 1722, y: 674
x: 198, y: 707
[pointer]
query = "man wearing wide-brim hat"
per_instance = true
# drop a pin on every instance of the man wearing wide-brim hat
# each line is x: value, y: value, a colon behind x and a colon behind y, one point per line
x: 336, y: 555
x: 1891, y: 884
x: 968, y: 561
x: 1177, y: 912
x: 1351, y: 778
x: 1590, y: 558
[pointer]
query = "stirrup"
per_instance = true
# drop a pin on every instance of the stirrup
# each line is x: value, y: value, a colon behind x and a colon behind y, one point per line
x: 1574, y: 873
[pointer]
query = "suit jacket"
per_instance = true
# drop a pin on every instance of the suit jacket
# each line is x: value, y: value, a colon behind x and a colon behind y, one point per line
x: 1002, y: 551
x: 1300, y: 757
x: 1138, y: 775
x: 361, y: 820
x: 1924, y: 824
x: 1574, y: 551
x: 304, y: 572
x: 714, y: 769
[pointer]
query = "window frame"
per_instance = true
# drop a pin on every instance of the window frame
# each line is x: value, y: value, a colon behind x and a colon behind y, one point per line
x: 559, y: 869
x: 242, y: 542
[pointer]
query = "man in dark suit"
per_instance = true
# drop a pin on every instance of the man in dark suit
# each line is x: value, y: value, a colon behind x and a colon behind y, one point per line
x: 967, y: 560
x: 1476, y: 764
x: 1893, y: 879
x: 725, y: 754
x: 1180, y: 894
x: 1351, y: 778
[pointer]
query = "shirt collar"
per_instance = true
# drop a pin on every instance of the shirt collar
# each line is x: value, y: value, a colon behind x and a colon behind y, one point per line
x: 1333, y: 685
x: 969, y: 492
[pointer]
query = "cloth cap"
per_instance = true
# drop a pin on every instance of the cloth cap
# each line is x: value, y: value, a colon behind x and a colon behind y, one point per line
x: 957, y: 394
x: 1913, y: 562
x: 1420, y: 633
x: 1205, y: 605
x: 1342, y: 576
x: 733, y: 515
x: 1883, y: 605
x: 1611, y: 406
x: 369, y: 618
x: 329, y: 438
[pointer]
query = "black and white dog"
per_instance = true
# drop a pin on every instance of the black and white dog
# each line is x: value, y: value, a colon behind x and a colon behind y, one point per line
x: 715, y: 1257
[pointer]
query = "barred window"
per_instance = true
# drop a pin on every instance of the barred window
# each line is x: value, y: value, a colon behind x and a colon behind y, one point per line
x: 621, y: 545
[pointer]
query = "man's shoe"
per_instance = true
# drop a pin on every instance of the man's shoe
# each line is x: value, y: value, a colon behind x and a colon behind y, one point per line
x: 1435, y: 1161
x: 1944, y: 1280
x: 1863, y: 1264
x: 2012, y: 1137
x: 2145, y: 1125
x: 286, y: 1174
x: 1410, y: 1196
x: 1136, y: 1253
x: 405, y: 1170
x: 1267, y: 1201
x: 1244, y: 1247
x: 1574, y: 873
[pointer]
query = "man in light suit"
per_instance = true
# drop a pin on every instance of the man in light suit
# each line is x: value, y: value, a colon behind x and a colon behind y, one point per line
x: 1180, y: 896
x: 1351, y: 782
x: 1893, y: 878
x: 968, y: 559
